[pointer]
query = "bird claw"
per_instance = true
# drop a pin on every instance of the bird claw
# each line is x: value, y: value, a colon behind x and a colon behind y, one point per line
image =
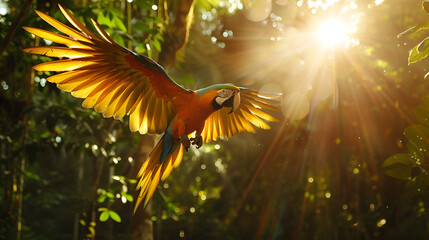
x: 185, y: 141
x: 197, y: 141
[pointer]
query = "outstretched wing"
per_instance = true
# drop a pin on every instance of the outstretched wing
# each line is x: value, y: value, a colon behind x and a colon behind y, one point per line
x: 112, y: 79
x: 249, y: 114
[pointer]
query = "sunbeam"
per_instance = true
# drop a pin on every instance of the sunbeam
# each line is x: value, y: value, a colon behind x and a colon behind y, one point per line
x: 331, y: 32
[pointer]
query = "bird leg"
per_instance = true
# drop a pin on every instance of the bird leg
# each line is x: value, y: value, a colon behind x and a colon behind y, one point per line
x: 185, y: 141
x: 197, y: 141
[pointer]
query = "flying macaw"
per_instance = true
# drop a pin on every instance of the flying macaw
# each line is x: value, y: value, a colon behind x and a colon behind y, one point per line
x: 117, y: 82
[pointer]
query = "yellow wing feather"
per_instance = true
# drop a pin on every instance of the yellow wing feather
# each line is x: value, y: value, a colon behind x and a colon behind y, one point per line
x: 101, y: 31
x: 63, y: 28
x: 97, y: 69
x: 55, y: 37
x: 249, y: 114
x: 77, y: 24
x: 59, y: 52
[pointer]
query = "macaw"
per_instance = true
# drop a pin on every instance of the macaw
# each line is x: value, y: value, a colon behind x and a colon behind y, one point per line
x: 117, y: 82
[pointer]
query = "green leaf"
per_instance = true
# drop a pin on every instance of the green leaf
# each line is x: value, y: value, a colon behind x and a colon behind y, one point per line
x: 92, y: 231
x: 103, y: 20
x: 415, y: 152
x: 101, y: 191
x: 115, y: 216
x: 398, y: 166
x: 143, y: 4
x: 159, y: 37
x: 418, y: 136
x: 104, y: 216
x: 414, y: 29
x: 101, y: 198
x: 414, y: 55
x: 114, y: 11
x: 157, y: 45
x: 117, y: 38
x: 119, y: 24
x: 110, y: 195
x: 419, y: 52
x: 129, y: 197
x: 141, y: 27
x: 423, y: 45
x: 140, y: 48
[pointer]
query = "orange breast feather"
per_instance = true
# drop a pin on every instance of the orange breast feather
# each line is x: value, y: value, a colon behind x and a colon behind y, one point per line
x: 194, y: 113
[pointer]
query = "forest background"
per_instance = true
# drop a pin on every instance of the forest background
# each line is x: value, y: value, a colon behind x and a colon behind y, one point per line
x: 348, y: 160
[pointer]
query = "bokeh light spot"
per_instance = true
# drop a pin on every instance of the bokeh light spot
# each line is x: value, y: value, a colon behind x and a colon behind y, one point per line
x: 271, y: 87
x: 328, y: 195
x: 296, y: 106
x: 257, y: 10
x: 381, y: 222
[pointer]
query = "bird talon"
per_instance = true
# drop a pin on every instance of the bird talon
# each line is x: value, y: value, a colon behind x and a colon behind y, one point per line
x: 197, y: 141
x: 186, y: 142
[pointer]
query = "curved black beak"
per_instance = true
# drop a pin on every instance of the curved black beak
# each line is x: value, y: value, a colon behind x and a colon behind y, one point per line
x: 233, y: 102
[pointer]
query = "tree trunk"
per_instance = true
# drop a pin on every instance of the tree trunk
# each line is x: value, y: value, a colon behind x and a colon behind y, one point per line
x: 176, y: 36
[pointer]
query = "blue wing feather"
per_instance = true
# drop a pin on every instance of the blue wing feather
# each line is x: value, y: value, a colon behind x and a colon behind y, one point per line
x: 169, y: 144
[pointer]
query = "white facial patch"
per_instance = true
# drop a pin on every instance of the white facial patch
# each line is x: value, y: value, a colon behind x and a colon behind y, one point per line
x: 223, y: 95
x: 220, y: 100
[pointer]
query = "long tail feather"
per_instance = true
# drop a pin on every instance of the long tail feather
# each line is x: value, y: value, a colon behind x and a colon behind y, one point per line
x: 152, y: 171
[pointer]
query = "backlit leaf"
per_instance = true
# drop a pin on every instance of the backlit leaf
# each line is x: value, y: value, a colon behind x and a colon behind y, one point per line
x: 419, y: 52
x: 398, y: 166
x: 119, y: 24
x: 414, y: 29
x: 104, y: 216
x: 115, y: 216
x: 103, y: 20
x: 418, y: 136
x: 157, y: 45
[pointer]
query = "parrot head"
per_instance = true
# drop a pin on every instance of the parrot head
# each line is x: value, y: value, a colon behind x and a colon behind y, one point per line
x: 227, y: 96
x: 222, y: 95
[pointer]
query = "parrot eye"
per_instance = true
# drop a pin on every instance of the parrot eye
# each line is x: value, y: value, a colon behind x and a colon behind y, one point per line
x: 223, y: 93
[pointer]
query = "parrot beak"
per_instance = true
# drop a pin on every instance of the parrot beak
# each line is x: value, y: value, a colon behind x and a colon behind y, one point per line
x: 236, y: 100
x: 233, y: 102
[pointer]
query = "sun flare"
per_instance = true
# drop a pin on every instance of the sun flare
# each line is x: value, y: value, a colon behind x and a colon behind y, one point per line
x: 332, y: 32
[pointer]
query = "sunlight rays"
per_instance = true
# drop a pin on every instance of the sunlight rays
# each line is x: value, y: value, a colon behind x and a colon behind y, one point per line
x: 331, y: 32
